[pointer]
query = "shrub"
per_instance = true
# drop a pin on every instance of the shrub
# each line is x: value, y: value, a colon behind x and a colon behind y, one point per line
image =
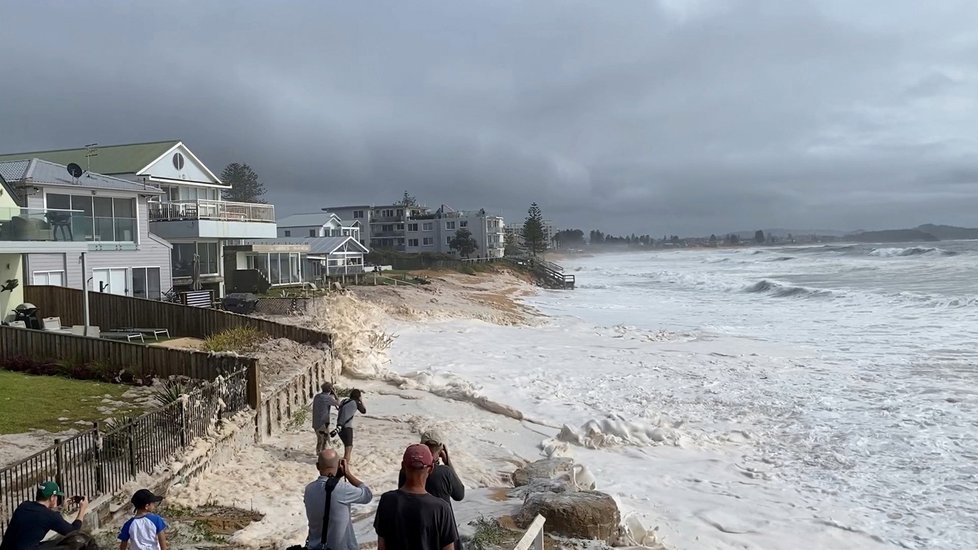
x: 74, y: 367
x: 236, y: 339
x: 170, y: 391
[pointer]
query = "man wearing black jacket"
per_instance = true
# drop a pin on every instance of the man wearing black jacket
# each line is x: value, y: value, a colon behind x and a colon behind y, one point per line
x: 33, y: 519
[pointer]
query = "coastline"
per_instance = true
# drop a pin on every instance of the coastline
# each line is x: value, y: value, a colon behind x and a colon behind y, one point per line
x: 487, y: 440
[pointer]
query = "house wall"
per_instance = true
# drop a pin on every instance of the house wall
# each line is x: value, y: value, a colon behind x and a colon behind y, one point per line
x: 346, y: 214
x: 149, y: 250
x: 301, y: 231
x: 489, y: 240
x: 11, y: 267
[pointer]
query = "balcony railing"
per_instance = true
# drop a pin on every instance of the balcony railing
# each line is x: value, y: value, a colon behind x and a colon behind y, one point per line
x: 52, y: 224
x: 211, y: 210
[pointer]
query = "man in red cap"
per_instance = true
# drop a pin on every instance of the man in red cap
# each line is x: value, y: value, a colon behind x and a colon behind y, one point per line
x: 410, y: 518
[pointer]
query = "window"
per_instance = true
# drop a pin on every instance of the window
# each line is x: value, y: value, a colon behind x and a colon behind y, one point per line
x: 95, y: 218
x: 449, y: 225
x: 400, y: 212
x: 182, y: 257
x: 412, y: 242
x: 448, y: 240
x: 312, y: 232
x: 429, y: 241
x: 463, y: 223
x: 428, y: 226
x: 388, y: 213
x: 288, y: 232
x: 412, y: 227
x: 357, y: 214
x: 178, y: 161
x: 146, y: 283
x: 53, y: 278
x: 387, y: 228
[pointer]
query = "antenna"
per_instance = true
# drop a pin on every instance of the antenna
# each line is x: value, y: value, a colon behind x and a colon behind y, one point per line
x: 74, y: 170
x: 92, y: 152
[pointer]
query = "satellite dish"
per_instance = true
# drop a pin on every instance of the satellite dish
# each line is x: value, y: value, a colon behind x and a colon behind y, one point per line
x: 74, y: 170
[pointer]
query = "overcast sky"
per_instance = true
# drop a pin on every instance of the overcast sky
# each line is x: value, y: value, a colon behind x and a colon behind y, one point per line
x: 667, y: 116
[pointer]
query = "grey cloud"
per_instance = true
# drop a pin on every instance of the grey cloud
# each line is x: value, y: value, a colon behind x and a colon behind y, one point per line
x: 639, y: 116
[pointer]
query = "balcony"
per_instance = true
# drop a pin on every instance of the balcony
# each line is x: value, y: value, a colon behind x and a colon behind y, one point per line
x: 53, y: 230
x: 212, y: 219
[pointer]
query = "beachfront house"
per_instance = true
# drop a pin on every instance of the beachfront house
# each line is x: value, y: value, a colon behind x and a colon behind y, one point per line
x: 317, y: 224
x: 60, y: 215
x: 190, y: 212
x: 288, y: 261
x: 382, y: 226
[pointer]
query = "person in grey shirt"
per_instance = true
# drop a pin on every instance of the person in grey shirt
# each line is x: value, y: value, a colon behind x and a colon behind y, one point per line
x: 344, y: 420
x: 321, y: 405
x: 339, y: 530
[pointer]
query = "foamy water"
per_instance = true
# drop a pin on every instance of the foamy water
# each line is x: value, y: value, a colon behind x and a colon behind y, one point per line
x: 819, y: 397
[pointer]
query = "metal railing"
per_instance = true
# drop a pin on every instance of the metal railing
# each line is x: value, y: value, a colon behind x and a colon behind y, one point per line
x: 101, y: 461
x: 52, y: 224
x: 211, y: 210
x: 533, y: 537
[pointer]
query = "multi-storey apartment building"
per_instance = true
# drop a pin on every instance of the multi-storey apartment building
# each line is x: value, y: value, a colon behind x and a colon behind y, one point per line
x: 189, y: 213
x: 380, y: 226
x: 434, y: 232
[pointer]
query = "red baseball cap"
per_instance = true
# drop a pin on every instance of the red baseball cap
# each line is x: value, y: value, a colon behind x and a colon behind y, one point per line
x: 417, y: 456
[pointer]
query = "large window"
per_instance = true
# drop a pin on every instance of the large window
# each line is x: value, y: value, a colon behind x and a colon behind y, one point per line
x: 53, y: 278
x: 427, y: 226
x: 280, y: 268
x: 449, y: 225
x: 146, y: 282
x: 428, y: 241
x: 183, y: 259
x: 357, y: 214
x: 412, y: 242
x: 95, y: 218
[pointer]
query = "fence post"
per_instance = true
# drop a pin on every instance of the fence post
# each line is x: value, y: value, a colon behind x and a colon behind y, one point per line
x: 183, y: 420
x: 132, y: 449
x: 59, y: 460
x: 254, y: 390
x: 99, y: 467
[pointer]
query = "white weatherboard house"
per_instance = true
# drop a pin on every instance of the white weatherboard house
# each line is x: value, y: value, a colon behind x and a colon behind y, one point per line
x: 317, y: 224
x: 296, y: 260
x: 105, y: 217
x: 189, y: 213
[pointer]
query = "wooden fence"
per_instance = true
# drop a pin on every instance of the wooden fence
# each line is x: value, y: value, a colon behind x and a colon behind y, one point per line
x: 100, y: 461
x: 109, y: 311
x: 140, y: 360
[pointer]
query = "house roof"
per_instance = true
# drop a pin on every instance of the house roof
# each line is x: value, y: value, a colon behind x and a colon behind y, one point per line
x: 44, y: 173
x: 317, y: 245
x: 306, y: 220
x: 111, y: 159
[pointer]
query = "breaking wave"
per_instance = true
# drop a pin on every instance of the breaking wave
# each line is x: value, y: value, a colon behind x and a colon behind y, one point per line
x: 781, y: 290
x: 911, y: 251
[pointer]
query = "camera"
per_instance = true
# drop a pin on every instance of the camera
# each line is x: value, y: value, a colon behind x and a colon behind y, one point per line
x: 77, y: 499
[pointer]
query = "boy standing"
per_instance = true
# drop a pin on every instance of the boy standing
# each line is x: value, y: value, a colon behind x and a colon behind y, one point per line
x: 145, y: 530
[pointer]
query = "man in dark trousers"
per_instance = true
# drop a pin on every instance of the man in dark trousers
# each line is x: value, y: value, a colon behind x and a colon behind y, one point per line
x: 411, y: 519
x: 33, y: 519
x: 321, y: 406
x: 443, y: 482
x: 344, y: 421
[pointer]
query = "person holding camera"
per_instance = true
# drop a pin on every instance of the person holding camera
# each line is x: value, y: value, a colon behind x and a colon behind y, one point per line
x: 328, y: 500
x: 442, y: 482
x: 344, y: 421
x: 33, y: 519
x: 322, y: 404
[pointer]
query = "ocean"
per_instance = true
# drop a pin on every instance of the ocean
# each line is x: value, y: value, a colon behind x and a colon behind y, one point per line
x: 776, y: 398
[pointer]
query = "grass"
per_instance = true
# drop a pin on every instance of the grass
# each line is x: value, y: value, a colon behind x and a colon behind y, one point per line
x: 235, y: 339
x: 488, y: 534
x: 38, y: 402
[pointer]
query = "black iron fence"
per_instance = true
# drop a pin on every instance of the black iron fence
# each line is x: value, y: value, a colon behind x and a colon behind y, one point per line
x: 102, y: 460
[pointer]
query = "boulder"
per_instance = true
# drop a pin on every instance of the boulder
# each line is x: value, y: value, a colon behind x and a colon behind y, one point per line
x: 541, y: 486
x: 548, y: 468
x: 588, y: 515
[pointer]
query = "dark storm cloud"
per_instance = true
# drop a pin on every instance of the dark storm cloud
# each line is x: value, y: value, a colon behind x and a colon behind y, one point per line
x: 649, y: 117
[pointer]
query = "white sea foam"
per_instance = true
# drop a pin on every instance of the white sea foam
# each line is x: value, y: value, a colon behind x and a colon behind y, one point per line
x: 750, y: 422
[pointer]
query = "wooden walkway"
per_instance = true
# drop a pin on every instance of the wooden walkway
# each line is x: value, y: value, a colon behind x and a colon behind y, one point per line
x: 548, y: 274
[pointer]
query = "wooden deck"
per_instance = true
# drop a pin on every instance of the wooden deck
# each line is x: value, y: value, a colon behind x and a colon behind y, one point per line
x: 549, y: 274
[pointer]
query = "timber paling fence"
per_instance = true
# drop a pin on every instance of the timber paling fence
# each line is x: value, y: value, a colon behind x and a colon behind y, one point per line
x: 100, y: 461
x: 109, y: 311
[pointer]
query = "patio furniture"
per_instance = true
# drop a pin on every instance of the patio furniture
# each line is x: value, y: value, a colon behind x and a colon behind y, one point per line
x: 79, y: 330
x: 122, y: 335
x: 154, y: 332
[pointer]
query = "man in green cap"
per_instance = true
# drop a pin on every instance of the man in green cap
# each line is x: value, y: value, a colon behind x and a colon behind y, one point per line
x: 34, y: 518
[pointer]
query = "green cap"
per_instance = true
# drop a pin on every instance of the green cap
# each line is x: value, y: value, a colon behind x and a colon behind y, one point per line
x: 49, y: 489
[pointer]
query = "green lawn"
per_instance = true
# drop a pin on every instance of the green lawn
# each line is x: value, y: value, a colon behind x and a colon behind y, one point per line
x: 38, y: 402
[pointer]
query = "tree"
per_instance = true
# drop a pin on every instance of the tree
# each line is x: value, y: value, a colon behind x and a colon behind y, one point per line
x: 570, y: 237
x: 463, y: 243
x: 713, y: 239
x: 407, y: 201
x: 533, y: 234
x: 759, y: 237
x: 245, y: 186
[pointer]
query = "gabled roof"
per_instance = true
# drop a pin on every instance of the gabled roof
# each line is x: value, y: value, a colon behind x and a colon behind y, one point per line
x: 317, y: 245
x: 44, y: 173
x: 317, y: 219
x: 111, y: 159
